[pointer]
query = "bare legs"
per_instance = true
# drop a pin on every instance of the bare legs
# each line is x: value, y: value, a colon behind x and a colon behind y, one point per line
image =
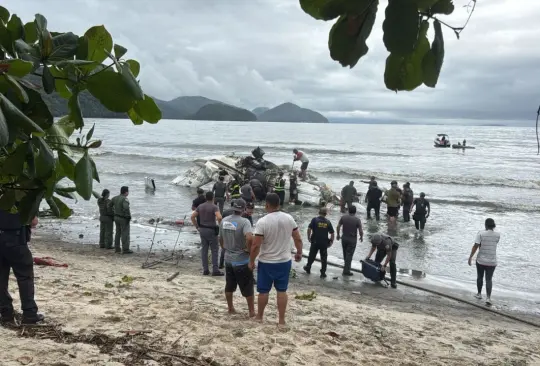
x: 282, y: 300
x: 250, y: 302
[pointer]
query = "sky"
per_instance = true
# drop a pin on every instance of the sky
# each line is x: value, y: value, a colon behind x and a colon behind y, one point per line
x: 254, y: 53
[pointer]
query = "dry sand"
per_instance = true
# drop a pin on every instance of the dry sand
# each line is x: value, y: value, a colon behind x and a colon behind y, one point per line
x: 89, y: 309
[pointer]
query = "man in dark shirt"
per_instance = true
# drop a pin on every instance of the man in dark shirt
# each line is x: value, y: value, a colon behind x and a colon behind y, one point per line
x: 347, y: 196
x: 279, y: 188
x: 373, y: 199
x: 246, y: 192
x: 351, y: 226
x: 220, y: 190
x: 387, y: 247
x: 317, y: 234
x: 199, y: 200
x: 422, y: 211
x: 407, y: 197
x: 258, y: 189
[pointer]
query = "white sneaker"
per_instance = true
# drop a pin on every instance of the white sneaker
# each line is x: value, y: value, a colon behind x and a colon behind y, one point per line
x: 478, y: 296
x: 488, y: 301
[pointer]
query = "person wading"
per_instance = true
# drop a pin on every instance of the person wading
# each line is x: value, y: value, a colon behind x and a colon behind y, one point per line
x: 247, y: 192
x: 220, y: 190
x: 348, y: 193
x: 15, y: 254
x: 373, y: 200
x: 272, y: 244
x: 122, y: 217
x: 279, y: 188
x: 258, y: 189
x: 106, y: 220
x: 352, y: 225
x: 208, y: 213
x: 387, y: 247
x: 302, y: 156
x: 407, y: 198
x: 234, y: 190
x: 199, y: 200
x: 317, y: 234
x: 422, y: 211
x: 486, y: 244
x: 235, y: 237
x: 393, y: 196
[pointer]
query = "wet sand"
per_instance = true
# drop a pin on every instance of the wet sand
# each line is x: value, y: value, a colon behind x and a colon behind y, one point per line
x: 104, y: 309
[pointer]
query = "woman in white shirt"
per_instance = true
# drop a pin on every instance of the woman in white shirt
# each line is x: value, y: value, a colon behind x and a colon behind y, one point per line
x: 486, y: 261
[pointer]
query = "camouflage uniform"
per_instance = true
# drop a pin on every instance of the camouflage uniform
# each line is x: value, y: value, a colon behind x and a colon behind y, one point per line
x: 122, y: 217
x: 106, y: 220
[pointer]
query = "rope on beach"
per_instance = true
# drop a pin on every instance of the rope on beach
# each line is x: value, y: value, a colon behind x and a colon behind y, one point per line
x: 451, y: 297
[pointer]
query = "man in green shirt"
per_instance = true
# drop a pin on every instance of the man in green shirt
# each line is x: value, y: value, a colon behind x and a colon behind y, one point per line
x: 393, y: 197
x: 122, y: 217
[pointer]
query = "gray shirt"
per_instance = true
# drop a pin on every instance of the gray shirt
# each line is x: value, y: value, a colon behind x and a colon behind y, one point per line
x: 220, y: 188
x: 246, y: 191
x: 233, y: 230
x: 207, y: 214
x: 350, y: 224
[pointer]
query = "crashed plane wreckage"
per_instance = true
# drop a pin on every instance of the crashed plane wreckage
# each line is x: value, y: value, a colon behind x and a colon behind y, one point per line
x: 206, y: 173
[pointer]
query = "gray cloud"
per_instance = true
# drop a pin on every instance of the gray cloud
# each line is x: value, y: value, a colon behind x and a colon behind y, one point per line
x: 264, y: 52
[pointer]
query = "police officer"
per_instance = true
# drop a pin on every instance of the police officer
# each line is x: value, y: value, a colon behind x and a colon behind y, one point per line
x: 279, y: 188
x: 317, y: 234
x: 122, y: 217
x: 387, y: 247
x: 106, y: 220
x: 219, y: 189
x: 15, y: 254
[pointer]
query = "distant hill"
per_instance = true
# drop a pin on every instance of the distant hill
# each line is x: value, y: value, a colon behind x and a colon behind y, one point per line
x: 288, y: 112
x: 223, y: 112
x: 260, y: 110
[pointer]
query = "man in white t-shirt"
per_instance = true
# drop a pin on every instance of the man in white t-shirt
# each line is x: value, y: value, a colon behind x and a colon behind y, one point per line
x: 272, y: 243
x: 486, y: 261
x: 300, y: 155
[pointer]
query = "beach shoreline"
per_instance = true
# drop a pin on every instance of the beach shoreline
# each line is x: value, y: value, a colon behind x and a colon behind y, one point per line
x: 139, y: 315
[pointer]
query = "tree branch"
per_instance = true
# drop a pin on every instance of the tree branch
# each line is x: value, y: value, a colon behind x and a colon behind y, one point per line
x: 457, y: 30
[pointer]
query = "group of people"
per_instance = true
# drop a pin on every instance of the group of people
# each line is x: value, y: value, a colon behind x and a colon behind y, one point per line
x: 114, y: 212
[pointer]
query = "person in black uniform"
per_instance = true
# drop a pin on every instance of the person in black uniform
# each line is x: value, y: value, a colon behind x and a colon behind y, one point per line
x: 387, y: 247
x: 15, y: 254
x: 279, y: 188
x: 407, y: 198
x: 422, y: 211
x: 373, y: 199
x: 317, y: 234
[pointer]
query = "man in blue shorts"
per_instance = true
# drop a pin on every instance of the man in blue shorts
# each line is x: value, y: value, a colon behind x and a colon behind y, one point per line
x: 272, y: 243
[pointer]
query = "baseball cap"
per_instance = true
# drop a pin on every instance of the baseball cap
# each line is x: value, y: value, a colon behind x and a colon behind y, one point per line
x: 239, y: 205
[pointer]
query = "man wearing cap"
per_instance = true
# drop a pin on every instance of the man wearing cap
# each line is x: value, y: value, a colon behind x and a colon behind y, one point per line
x: 279, y: 188
x: 422, y: 211
x: 387, y: 247
x: 373, y: 200
x: 235, y: 237
x: 317, y: 234
x: 393, y: 197
x: 347, y: 196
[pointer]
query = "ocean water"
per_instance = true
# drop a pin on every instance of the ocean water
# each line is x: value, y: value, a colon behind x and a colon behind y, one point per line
x: 498, y: 179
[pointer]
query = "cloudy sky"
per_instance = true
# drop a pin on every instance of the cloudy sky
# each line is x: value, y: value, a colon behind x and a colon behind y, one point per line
x: 264, y: 52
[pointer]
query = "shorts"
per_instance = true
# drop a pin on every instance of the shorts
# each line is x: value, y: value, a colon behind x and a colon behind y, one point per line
x: 392, y: 211
x: 273, y: 273
x: 239, y: 276
x: 304, y: 165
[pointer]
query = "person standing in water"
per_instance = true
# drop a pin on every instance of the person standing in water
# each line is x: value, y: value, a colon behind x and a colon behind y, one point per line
x: 348, y: 193
x: 279, y: 188
x: 247, y: 192
x: 393, y: 197
x: 407, y: 197
x: 317, y: 234
x: 106, y: 221
x: 422, y: 211
x: 373, y: 200
x: 300, y: 155
x: 220, y: 190
x: 351, y: 226
x: 234, y: 189
x: 486, y: 244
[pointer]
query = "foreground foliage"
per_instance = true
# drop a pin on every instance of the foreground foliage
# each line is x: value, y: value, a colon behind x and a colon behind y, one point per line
x: 36, y: 154
x: 413, y: 59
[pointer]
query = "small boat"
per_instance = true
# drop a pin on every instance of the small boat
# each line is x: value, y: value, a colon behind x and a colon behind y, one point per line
x: 442, y: 140
x: 454, y: 146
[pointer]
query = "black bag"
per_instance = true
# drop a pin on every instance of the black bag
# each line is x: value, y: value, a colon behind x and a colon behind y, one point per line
x: 372, y: 270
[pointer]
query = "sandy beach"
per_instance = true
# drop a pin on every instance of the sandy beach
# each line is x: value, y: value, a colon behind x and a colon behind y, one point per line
x: 104, y: 309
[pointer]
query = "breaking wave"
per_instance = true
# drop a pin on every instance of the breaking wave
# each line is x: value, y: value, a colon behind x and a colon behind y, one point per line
x: 493, y: 206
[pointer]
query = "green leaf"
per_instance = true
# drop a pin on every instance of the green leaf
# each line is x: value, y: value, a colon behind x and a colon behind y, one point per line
x: 7, y: 200
x: 134, y: 66
x: 445, y: 7
x: 133, y: 84
x: 29, y: 205
x: 99, y: 40
x: 48, y: 80
x: 30, y: 170
x: 67, y: 125
x: 347, y: 39
x: 433, y: 60
x: 66, y: 63
x: 46, y: 44
x: 30, y: 32
x: 112, y: 90
x: 68, y: 165
x: 15, y: 27
x: 424, y: 5
x: 84, y: 176
x: 41, y: 23
x: 37, y: 110
x: 134, y: 117
x: 331, y: 9
x: 119, y: 51
x: 52, y: 205
x: 60, y: 84
x: 405, y: 72
x: 15, y: 117
x: 400, y: 26
x: 45, y: 160
x: 94, y: 144
x: 90, y: 133
x: 148, y: 110
x: 95, y: 174
x: 30, y: 53
x: 64, y: 46
x: 4, y: 14
x: 4, y: 130
x: 14, y: 164
x: 5, y: 39
x: 21, y: 93
x: 75, y: 112
x: 63, y: 210
x: 16, y: 67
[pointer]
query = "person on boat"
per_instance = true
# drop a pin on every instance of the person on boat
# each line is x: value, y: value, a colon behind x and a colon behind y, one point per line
x: 352, y: 227
x: 422, y: 211
x: 486, y: 244
x: 220, y: 190
x: 348, y: 193
x: 317, y: 234
x: 300, y: 155
x: 393, y: 198
x: 106, y: 220
x: 234, y: 190
x: 246, y: 192
x: 386, y: 246
x: 258, y: 189
x: 373, y: 200
x: 279, y: 188
x: 407, y: 198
